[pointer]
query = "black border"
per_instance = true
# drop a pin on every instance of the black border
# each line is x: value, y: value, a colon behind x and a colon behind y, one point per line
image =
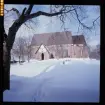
x: 74, y: 2
x: 81, y: 2
x: 102, y: 47
x: 1, y: 56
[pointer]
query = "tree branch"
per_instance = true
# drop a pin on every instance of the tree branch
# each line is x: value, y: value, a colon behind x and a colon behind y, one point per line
x: 13, y: 9
x: 42, y: 13
x: 26, y: 25
x: 46, y: 14
x: 29, y: 9
x: 69, y: 10
x: 23, y: 12
x: 95, y: 20
x: 31, y: 27
x: 84, y: 26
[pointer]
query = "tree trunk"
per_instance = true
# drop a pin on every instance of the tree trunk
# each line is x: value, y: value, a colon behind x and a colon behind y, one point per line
x: 28, y: 58
x: 6, y: 65
x: 7, y: 46
x: 19, y: 59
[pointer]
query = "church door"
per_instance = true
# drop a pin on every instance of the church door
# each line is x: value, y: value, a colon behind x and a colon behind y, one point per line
x: 42, y: 56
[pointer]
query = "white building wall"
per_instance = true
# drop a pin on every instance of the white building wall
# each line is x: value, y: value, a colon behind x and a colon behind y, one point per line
x: 74, y: 51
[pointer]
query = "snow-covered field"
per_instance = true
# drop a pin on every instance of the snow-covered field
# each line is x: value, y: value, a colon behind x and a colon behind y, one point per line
x: 63, y: 80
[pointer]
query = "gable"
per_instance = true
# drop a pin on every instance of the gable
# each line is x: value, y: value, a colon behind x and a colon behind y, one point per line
x: 42, y: 49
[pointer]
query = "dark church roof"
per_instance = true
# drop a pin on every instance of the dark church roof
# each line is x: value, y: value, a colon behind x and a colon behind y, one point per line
x: 57, y: 38
x: 78, y: 39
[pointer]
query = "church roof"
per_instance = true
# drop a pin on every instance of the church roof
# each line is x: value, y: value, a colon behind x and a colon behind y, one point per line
x: 57, y: 38
x: 78, y: 39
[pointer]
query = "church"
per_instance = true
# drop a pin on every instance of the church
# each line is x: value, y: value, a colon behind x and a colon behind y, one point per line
x: 58, y: 45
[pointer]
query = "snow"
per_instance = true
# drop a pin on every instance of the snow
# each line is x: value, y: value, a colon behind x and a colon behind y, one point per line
x: 30, y: 69
x: 63, y: 80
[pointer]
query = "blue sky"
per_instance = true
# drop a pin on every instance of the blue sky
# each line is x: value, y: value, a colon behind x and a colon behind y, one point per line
x: 46, y: 24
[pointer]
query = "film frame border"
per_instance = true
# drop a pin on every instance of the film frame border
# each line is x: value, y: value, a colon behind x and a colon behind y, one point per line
x: 1, y: 7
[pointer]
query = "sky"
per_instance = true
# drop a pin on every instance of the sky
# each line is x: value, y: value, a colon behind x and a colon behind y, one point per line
x: 53, y: 24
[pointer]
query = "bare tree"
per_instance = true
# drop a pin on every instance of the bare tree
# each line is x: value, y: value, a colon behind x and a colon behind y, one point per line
x: 19, y: 48
x: 60, y: 11
x: 94, y: 52
x: 98, y: 49
x: 12, y: 55
x: 28, y: 47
